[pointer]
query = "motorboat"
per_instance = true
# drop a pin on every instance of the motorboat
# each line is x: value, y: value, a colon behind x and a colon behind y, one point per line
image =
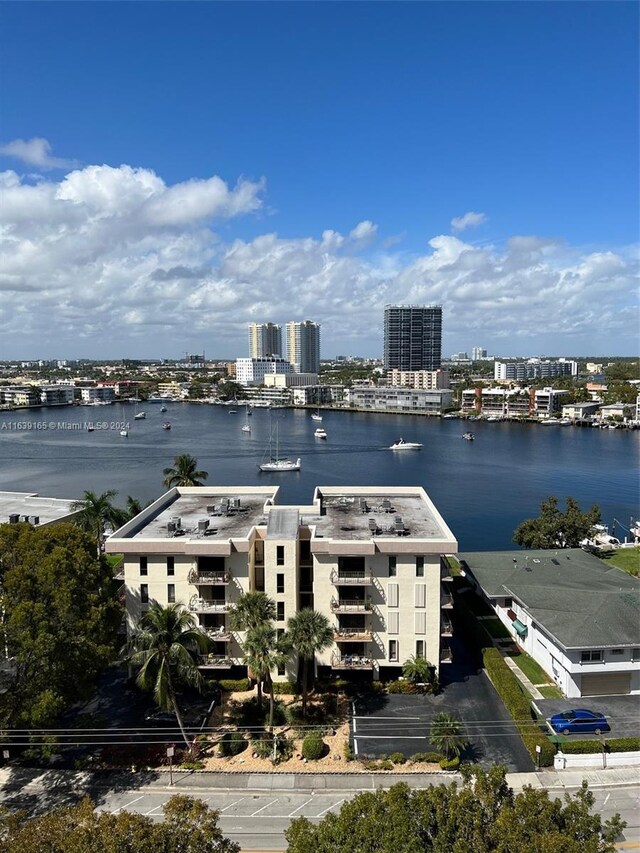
x: 140, y: 416
x: 401, y: 444
x: 166, y: 425
x: 124, y: 433
x: 163, y: 408
x: 469, y: 436
x: 246, y: 428
x: 275, y: 464
x: 158, y: 398
x: 320, y: 433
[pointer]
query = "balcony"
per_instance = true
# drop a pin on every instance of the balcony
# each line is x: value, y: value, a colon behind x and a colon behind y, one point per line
x: 351, y: 662
x: 446, y: 655
x: 215, y: 662
x: 208, y: 605
x: 446, y: 600
x: 209, y: 578
x: 344, y: 605
x: 352, y: 636
x: 219, y: 635
x: 345, y: 578
x: 446, y: 628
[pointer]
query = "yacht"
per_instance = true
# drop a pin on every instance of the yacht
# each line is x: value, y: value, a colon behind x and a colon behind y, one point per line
x: 140, y: 416
x: 401, y: 444
x: 246, y: 428
x: 320, y: 433
x: 275, y: 464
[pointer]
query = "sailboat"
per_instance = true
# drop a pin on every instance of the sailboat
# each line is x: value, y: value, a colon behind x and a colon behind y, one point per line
x: 138, y: 416
x: 275, y: 463
x: 246, y: 426
x: 316, y: 416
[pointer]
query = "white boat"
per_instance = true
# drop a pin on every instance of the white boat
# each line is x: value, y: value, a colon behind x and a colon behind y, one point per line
x: 163, y: 408
x: 140, y: 416
x: 124, y: 433
x: 277, y: 464
x: 316, y: 416
x: 166, y: 425
x: 401, y: 444
x: 158, y: 398
x: 469, y: 436
x: 493, y: 418
x: 246, y: 427
x: 320, y: 433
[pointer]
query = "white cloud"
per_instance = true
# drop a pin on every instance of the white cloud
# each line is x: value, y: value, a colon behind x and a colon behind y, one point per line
x: 469, y: 220
x: 35, y: 152
x: 94, y: 260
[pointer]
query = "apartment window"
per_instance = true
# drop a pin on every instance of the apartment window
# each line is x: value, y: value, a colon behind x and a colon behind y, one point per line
x: 591, y: 656
x: 420, y: 595
x: 171, y: 566
x: 144, y: 593
x: 393, y: 650
x: 171, y: 593
x: 281, y: 669
x: 419, y: 567
x: 392, y: 567
x: 280, y: 583
x: 635, y: 654
x: 419, y: 648
x: 280, y: 611
x: 420, y: 622
x: 143, y: 566
x: 280, y: 555
x: 617, y: 651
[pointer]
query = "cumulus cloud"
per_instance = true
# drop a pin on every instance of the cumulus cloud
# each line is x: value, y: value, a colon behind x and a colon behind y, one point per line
x: 113, y: 261
x: 35, y: 152
x: 469, y: 220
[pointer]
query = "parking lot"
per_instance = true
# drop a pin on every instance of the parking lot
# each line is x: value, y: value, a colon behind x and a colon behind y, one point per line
x: 383, y: 725
x: 622, y: 713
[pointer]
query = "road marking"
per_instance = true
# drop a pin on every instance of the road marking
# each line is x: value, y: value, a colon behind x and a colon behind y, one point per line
x: 235, y: 802
x: 605, y: 799
x: 393, y: 737
x: 376, y: 717
x: 264, y: 807
x: 300, y: 807
x: 126, y: 805
x: 156, y: 809
x: 332, y: 806
x: 354, y: 725
x: 355, y: 746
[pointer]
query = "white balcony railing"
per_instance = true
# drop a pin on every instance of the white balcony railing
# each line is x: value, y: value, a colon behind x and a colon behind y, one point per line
x: 352, y: 605
x: 344, y: 578
x: 208, y: 605
x: 351, y: 662
x: 209, y: 578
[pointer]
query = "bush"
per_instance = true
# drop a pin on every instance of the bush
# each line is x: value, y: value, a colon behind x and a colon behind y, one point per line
x: 235, y: 685
x: 373, y: 765
x: 450, y: 763
x: 264, y: 747
x: 401, y: 687
x: 348, y: 752
x: 428, y: 757
x: 192, y: 765
x: 249, y: 713
x: 398, y: 758
x: 313, y: 747
x: 620, y: 744
x: 231, y: 743
x: 285, y: 688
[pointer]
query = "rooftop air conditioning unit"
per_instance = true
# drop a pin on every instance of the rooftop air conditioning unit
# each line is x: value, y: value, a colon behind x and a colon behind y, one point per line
x: 14, y: 518
x: 171, y: 527
x: 203, y: 524
x: 211, y: 508
x: 35, y: 520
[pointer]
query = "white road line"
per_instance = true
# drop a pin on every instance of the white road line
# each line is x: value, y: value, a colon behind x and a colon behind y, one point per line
x: 605, y: 799
x: 126, y: 805
x: 235, y: 802
x: 300, y: 807
x: 355, y: 746
x: 354, y: 725
x: 392, y: 737
x: 332, y: 806
x: 156, y: 809
x: 396, y: 719
x: 264, y: 807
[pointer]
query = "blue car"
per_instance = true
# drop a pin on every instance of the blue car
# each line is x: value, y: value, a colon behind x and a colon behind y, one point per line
x: 578, y: 721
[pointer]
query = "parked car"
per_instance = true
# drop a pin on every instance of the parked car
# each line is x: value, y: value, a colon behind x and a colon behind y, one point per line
x: 579, y: 720
x: 167, y: 719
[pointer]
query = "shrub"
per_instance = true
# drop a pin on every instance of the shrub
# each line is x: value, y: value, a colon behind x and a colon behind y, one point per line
x: 249, y: 713
x: 285, y: 688
x: 620, y: 744
x: 231, y: 743
x: 428, y: 757
x: 401, y: 687
x: 385, y: 764
x: 235, y: 685
x: 450, y: 763
x: 398, y: 758
x: 348, y: 752
x: 192, y: 765
x: 373, y: 765
x: 264, y: 747
x: 313, y: 747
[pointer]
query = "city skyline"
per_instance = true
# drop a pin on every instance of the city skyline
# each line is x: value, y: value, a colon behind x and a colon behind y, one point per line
x: 152, y: 206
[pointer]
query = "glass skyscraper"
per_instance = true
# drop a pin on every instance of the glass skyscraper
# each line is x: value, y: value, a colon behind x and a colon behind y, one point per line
x: 412, y: 337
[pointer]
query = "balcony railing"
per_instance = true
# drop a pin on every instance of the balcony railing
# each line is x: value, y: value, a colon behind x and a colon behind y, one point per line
x: 446, y: 628
x: 344, y: 605
x: 351, y: 662
x: 446, y: 601
x: 208, y: 578
x: 207, y: 605
x: 215, y: 662
x: 345, y: 578
x: 446, y: 655
x: 220, y: 635
x: 352, y: 636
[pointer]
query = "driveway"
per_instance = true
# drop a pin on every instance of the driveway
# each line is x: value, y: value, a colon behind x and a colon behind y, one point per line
x: 622, y: 713
x: 397, y: 723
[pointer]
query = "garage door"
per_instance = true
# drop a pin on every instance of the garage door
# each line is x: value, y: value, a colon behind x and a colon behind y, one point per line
x: 606, y: 685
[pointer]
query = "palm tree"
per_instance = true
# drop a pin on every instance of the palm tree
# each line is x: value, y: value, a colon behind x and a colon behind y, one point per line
x: 96, y: 512
x: 164, y: 648
x: 253, y: 610
x: 184, y: 472
x: 134, y: 507
x: 446, y: 734
x: 418, y: 670
x: 310, y: 633
x: 263, y: 652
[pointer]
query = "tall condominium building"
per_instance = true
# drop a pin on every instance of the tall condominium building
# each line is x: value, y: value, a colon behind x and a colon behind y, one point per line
x: 303, y: 346
x: 412, y: 337
x: 371, y: 559
x: 521, y: 371
x: 265, y: 339
x: 478, y: 353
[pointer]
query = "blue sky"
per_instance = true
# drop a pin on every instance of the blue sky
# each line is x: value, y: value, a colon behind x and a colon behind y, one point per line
x: 375, y: 124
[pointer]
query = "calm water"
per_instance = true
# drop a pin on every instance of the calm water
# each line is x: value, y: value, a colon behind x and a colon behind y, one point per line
x: 482, y: 488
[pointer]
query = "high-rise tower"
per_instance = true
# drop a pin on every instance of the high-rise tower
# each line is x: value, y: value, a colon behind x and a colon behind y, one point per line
x: 265, y: 340
x: 412, y: 337
x: 303, y: 346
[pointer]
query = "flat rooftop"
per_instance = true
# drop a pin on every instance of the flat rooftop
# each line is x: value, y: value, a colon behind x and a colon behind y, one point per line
x: 48, y: 510
x: 577, y: 598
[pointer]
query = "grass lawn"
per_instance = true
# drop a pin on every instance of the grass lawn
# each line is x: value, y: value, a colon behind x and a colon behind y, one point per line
x: 627, y: 559
x: 115, y: 560
x: 551, y: 692
x: 497, y: 630
x: 454, y: 566
x: 534, y: 672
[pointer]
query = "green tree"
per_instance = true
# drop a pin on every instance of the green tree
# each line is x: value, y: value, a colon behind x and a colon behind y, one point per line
x: 446, y: 734
x: 164, y: 649
x: 264, y: 651
x: 252, y: 610
x: 184, y: 472
x: 310, y: 633
x: 555, y: 529
x: 60, y: 620
x: 97, y: 512
x: 231, y: 391
x: 482, y: 815
x: 418, y: 670
x: 188, y: 825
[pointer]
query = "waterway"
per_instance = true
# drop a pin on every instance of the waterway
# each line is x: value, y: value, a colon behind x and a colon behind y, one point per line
x: 483, y: 488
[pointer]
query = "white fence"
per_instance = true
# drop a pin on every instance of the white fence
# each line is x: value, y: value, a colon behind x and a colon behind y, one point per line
x: 597, y: 760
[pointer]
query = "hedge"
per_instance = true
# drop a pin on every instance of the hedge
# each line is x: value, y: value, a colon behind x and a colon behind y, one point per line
x: 235, y: 685
x: 285, y: 688
x: 398, y: 758
x: 619, y: 744
x: 231, y: 743
x: 313, y: 747
x: 400, y: 687
x: 450, y: 763
x: 429, y: 757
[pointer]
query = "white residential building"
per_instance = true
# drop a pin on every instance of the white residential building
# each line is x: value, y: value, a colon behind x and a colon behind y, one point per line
x: 303, y: 346
x: 265, y: 339
x: 521, y: 371
x: 398, y: 399
x: 371, y: 559
x: 99, y: 394
x: 252, y: 371
x: 56, y: 395
x: 548, y: 401
x: 579, y: 411
x: 31, y: 507
x: 428, y: 380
